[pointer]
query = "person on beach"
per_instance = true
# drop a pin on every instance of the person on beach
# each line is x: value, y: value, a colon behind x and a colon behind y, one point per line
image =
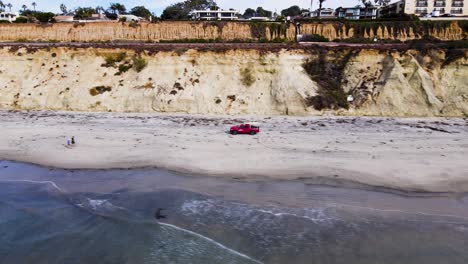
x: 73, y: 140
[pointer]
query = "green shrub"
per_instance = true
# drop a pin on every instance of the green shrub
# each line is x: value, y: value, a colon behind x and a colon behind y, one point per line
x: 45, y: 17
x: 111, y: 60
x: 20, y: 20
x: 139, y: 64
x: 328, y: 73
x: 123, y: 68
x: 314, y: 38
x: 247, y: 77
x: 99, y: 90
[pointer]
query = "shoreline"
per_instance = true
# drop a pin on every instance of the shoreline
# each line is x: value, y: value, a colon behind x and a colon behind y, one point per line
x: 319, y: 181
x: 286, y: 149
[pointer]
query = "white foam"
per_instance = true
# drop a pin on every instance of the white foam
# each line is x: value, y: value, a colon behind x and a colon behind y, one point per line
x: 38, y: 182
x: 212, y: 241
x: 96, y: 203
x: 396, y: 211
x: 322, y: 217
x: 105, y: 203
x: 198, y: 206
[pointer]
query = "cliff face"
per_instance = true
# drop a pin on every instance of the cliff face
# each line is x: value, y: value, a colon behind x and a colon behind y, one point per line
x: 229, y: 31
x: 177, y: 30
x: 402, y: 31
x: 295, y: 82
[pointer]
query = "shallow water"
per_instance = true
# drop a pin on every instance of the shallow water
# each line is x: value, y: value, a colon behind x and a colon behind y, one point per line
x: 96, y: 216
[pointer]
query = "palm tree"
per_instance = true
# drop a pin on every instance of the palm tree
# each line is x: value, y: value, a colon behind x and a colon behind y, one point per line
x: 34, y: 5
x: 9, y: 5
x: 24, y: 8
x: 63, y: 8
x: 116, y: 7
x: 99, y: 9
x: 320, y: 8
x: 2, y: 5
x: 382, y: 2
x: 366, y: 4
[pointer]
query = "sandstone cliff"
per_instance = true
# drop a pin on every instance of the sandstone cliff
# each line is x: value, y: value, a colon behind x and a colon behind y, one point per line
x: 402, y: 31
x: 230, y: 31
x: 294, y: 82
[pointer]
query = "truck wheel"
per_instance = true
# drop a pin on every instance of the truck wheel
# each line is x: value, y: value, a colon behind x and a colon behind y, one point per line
x: 252, y: 133
x: 234, y: 132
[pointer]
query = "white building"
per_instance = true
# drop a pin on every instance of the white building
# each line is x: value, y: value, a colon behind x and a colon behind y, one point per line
x: 257, y: 18
x: 437, y: 7
x: 130, y: 18
x: 215, y: 14
x: 357, y: 12
x: 324, y: 13
x: 6, y: 16
x: 393, y: 8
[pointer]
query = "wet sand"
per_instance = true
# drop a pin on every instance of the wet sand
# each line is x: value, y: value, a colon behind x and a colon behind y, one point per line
x: 56, y: 216
x: 412, y: 155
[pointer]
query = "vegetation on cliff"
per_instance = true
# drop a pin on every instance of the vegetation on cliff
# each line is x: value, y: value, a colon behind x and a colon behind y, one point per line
x: 327, y: 71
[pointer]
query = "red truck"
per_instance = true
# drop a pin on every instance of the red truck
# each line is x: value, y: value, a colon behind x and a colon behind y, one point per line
x: 251, y: 129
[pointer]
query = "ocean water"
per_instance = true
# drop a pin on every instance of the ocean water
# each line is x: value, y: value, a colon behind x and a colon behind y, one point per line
x: 96, y: 216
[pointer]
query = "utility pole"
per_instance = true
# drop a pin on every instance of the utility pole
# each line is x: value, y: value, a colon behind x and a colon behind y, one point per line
x: 311, y: 5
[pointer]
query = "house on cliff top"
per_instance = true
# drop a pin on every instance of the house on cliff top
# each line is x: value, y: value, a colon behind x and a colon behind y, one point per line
x: 8, y: 16
x: 216, y: 14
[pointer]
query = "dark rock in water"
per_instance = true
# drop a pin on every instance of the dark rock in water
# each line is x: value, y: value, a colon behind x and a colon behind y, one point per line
x: 158, y: 215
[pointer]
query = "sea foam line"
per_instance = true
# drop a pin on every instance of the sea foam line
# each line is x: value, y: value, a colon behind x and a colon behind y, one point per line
x: 212, y: 241
x: 38, y: 182
x: 396, y: 211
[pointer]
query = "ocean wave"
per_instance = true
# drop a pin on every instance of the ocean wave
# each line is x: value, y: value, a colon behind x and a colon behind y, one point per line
x: 211, y: 241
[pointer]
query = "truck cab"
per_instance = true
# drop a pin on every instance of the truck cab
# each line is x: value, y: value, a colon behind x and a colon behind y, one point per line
x: 250, y: 129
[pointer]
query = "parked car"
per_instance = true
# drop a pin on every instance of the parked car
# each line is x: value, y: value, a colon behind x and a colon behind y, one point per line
x: 251, y: 129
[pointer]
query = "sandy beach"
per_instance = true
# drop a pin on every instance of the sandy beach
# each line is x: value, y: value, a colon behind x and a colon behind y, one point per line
x: 405, y: 154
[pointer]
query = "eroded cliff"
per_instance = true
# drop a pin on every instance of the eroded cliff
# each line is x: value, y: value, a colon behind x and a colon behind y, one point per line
x: 242, y: 81
x: 232, y: 31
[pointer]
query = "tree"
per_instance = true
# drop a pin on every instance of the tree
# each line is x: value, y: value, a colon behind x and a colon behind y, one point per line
x: 118, y: 8
x: 382, y: 2
x: 366, y: 4
x: 175, y: 11
x: 249, y: 12
x: 24, y: 8
x: 182, y: 10
x: 44, y: 17
x: 83, y: 12
x: 141, y: 11
x: 263, y: 13
x: 34, y: 5
x: 291, y: 11
x: 9, y: 5
x: 63, y: 8
x: 100, y: 9
x: 320, y: 8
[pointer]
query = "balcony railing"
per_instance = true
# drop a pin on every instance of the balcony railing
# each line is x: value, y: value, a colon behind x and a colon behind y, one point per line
x: 421, y: 4
x: 456, y: 11
x: 441, y: 10
x: 457, y: 4
x: 439, y: 4
x: 421, y: 11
